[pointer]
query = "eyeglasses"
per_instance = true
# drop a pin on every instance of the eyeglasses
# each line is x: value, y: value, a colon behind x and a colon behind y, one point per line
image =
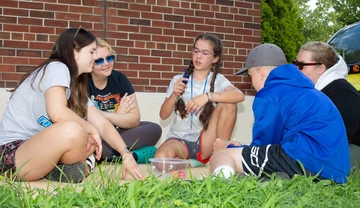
x: 203, y: 52
x: 109, y: 59
x: 301, y: 65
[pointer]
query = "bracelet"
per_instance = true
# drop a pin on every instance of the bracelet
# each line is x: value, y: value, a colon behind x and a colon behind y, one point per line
x: 207, y: 95
x: 123, y: 151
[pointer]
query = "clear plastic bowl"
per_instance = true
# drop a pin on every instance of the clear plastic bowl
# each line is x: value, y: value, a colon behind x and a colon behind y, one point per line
x: 169, y: 167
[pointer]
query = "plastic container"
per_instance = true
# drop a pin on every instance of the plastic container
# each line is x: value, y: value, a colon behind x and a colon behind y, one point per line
x: 169, y: 167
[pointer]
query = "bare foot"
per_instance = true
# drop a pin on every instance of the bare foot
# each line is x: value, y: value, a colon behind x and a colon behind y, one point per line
x: 220, y: 144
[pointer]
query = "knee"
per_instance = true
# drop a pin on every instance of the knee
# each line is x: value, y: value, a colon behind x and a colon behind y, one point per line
x: 72, y: 132
x: 230, y: 108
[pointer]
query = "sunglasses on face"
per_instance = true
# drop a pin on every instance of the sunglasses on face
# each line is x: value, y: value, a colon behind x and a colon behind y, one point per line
x: 109, y: 59
x: 301, y: 65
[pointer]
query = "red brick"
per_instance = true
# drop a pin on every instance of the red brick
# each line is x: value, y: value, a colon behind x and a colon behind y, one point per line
x: 243, y: 18
x: 184, y: 26
x: 173, y: 32
x: 56, y: 23
x: 117, y: 20
x: 4, y: 19
x: 173, y: 3
x: 29, y: 21
x: 185, y: 12
x: 162, y: 24
x: 7, y: 52
x: 70, y: 1
x: 139, y: 67
x: 140, y: 81
x: 128, y: 58
x: 80, y: 9
x: 139, y: 7
x: 126, y: 43
x: 17, y: 36
x: 56, y: 7
x: 177, y: 54
x: 44, y: 30
x: 4, y: 35
x: 31, y: 5
x: 224, y: 30
x: 195, y: 20
x: 42, y: 14
x: 150, y: 75
x: 205, y: 28
x: 171, y: 61
x: 7, y: 68
x: 28, y: 53
x: 67, y: 16
x: 161, y: 10
x: 15, y: 12
x: 10, y: 84
x: 142, y: 52
x: 9, y: 3
x: 36, y: 61
x: 184, y: 40
x: 15, y: 44
x: 161, y: 67
x: 149, y: 15
x: 160, y: 82
x: 144, y: 59
x: 139, y: 37
x: 41, y: 45
x: 24, y: 69
x: 215, y: 22
x: 128, y: 13
x: 12, y: 76
x: 234, y: 24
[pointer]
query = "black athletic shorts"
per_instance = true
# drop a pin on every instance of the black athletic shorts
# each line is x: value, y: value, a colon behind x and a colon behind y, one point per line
x: 265, y: 160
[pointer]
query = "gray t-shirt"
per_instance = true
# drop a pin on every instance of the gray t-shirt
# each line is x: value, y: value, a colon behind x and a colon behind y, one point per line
x: 180, y: 128
x: 26, y: 113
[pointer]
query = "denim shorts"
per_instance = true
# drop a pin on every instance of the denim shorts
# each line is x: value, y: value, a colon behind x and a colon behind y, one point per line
x: 7, y: 156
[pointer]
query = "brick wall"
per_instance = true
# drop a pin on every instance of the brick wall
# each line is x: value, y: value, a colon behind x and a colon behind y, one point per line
x: 153, y: 38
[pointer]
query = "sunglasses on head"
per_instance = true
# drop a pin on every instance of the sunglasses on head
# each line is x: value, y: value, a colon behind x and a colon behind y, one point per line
x: 301, y: 65
x: 109, y: 59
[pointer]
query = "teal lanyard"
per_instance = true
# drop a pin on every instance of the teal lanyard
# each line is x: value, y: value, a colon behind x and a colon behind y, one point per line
x: 192, y: 84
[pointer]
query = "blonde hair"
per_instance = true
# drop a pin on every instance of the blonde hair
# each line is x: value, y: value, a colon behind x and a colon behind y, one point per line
x: 103, y: 44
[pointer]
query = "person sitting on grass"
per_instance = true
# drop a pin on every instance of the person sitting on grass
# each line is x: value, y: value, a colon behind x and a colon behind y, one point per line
x: 112, y: 93
x: 205, y: 105
x: 294, y: 124
x: 50, y: 126
x: 328, y: 70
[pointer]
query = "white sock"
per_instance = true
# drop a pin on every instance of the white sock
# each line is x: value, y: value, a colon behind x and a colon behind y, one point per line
x: 224, y: 171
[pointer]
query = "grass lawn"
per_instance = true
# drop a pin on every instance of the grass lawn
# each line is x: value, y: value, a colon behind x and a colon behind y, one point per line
x: 246, y: 192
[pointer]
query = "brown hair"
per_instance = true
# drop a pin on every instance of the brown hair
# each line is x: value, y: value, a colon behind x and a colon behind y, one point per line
x: 208, y: 108
x: 321, y: 53
x: 63, y: 51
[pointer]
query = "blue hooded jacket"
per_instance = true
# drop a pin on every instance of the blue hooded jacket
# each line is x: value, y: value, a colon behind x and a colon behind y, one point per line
x: 291, y: 112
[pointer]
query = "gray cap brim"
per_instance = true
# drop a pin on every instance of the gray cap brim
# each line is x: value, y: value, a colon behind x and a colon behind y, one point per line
x: 243, y: 71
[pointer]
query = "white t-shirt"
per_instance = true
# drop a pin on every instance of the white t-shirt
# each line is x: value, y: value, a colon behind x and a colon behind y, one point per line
x: 26, y: 113
x: 180, y: 128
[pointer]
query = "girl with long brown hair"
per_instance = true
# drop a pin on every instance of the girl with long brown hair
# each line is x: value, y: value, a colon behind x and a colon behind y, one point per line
x: 49, y: 121
x: 205, y: 105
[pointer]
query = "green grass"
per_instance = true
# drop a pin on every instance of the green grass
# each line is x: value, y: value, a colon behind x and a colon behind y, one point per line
x: 247, y: 192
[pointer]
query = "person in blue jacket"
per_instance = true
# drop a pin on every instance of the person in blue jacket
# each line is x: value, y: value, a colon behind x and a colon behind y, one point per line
x: 294, y: 124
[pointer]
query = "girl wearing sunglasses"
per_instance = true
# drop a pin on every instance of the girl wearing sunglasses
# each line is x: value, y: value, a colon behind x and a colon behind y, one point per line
x: 112, y: 93
x: 328, y: 72
x: 50, y: 124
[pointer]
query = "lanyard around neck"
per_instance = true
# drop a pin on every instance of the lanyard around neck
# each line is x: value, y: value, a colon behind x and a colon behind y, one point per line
x: 192, y: 85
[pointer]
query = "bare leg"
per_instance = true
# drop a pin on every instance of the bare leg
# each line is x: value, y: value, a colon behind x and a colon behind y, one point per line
x: 61, y: 142
x: 221, y: 125
x: 172, y: 149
